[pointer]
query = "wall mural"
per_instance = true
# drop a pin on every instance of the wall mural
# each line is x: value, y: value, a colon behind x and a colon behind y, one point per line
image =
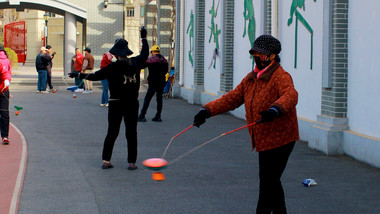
x: 293, y: 11
x: 190, y: 31
x: 249, y: 15
x: 215, y: 32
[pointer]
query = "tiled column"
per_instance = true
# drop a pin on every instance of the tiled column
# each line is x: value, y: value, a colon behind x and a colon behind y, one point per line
x: 226, y: 79
x: 333, y: 119
x: 268, y: 16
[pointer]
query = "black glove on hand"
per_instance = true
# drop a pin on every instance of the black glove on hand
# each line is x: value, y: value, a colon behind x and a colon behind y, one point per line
x: 201, y: 117
x: 143, y: 33
x: 73, y: 74
x: 268, y: 115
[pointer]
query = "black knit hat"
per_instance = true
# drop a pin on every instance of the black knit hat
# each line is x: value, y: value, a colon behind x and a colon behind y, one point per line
x: 266, y: 44
x: 120, y: 48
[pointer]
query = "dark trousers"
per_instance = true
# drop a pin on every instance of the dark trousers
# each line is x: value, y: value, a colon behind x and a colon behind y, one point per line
x: 148, y: 97
x: 4, y: 113
x: 116, y: 112
x: 272, y: 164
x: 79, y: 82
x: 48, y: 80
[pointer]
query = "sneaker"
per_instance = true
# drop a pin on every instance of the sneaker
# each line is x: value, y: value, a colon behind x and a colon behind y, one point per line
x: 141, y: 119
x: 5, y: 140
x: 157, y: 119
x: 79, y: 90
x: 53, y: 90
x: 107, y: 165
x: 103, y: 104
x: 38, y: 91
x: 44, y: 92
x: 86, y: 92
x: 90, y: 91
x: 132, y: 166
x: 107, y: 104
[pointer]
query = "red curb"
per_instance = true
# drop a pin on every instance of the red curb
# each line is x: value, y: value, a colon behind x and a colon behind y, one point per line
x: 13, y: 158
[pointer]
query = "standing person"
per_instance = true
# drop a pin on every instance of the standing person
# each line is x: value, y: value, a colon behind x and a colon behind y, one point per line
x: 106, y: 60
x: 5, y: 79
x: 124, y: 83
x: 42, y: 61
x: 269, y: 96
x: 72, y: 68
x: 78, y: 67
x: 49, y: 67
x: 87, y: 67
x: 158, y: 67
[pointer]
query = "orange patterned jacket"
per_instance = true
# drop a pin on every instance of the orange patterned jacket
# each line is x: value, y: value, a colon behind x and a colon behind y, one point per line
x: 273, y: 88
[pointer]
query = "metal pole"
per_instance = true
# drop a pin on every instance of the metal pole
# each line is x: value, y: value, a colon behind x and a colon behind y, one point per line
x: 46, y: 33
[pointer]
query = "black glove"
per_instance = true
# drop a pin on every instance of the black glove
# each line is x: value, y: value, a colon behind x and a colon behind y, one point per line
x: 73, y: 74
x: 201, y: 117
x: 268, y: 115
x: 143, y: 33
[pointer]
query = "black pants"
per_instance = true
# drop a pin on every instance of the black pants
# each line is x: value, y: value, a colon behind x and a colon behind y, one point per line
x: 272, y: 164
x: 116, y: 112
x: 48, y: 81
x: 148, y: 97
x: 4, y: 113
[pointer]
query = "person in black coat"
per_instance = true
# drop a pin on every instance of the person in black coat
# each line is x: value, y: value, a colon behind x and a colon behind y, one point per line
x: 42, y: 62
x: 124, y: 83
x: 158, y: 67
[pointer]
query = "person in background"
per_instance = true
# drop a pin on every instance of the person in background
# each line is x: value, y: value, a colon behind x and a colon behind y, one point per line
x: 42, y: 61
x: 158, y: 67
x: 106, y: 60
x: 78, y: 67
x: 5, y: 81
x: 49, y: 67
x: 270, y: 100
x: 87, y: 67
x: 124, y: 83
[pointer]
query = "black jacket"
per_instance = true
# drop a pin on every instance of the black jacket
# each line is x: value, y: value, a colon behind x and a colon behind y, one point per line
x: 158, y: 67
x: 123, y: 75
x: 42, y: 61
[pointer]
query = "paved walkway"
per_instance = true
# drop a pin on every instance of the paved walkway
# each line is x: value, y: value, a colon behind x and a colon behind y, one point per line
x: 65, y: 136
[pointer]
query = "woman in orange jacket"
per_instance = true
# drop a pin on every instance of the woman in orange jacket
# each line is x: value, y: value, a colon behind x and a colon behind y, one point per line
x: 270, y: 99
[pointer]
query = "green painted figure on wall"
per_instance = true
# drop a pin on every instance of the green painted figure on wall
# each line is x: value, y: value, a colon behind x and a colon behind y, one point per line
x: 249, y: 15
x: 293, y: 11
x: 215, y: 32
x: 190, y: 31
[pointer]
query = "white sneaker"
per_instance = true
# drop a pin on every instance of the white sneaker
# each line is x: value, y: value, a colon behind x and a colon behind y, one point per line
x: 90, y: 91
x: 79, y: 90
x: 38, y: 91
x: 45, y: 92
x: 102, y: 104
x: 107, y: 105
x: 87, y: 92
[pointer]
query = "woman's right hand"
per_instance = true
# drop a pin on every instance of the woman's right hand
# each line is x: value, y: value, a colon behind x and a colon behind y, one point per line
x: 201, y: 117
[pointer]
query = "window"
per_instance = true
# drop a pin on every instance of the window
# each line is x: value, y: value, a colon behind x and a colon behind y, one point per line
x: 142, y: 11
x: 130, y: 11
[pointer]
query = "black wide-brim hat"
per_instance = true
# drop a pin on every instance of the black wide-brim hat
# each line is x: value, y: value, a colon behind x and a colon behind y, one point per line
x: 120, y: 48
x: 266, y: 44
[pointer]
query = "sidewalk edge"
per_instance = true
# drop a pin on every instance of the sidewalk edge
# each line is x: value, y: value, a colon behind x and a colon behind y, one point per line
x: 20, y: 176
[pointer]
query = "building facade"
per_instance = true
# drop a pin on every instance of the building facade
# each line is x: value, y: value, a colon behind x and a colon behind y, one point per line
x: 334, y: 67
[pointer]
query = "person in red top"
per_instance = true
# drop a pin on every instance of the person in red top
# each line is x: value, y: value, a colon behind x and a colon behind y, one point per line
x: 78, y: 67
x: 5, y: 79
x: 106, y: 60
x: 270, y: 100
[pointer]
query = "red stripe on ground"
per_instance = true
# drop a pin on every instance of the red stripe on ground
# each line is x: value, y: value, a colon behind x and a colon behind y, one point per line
x: 12, y: 170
